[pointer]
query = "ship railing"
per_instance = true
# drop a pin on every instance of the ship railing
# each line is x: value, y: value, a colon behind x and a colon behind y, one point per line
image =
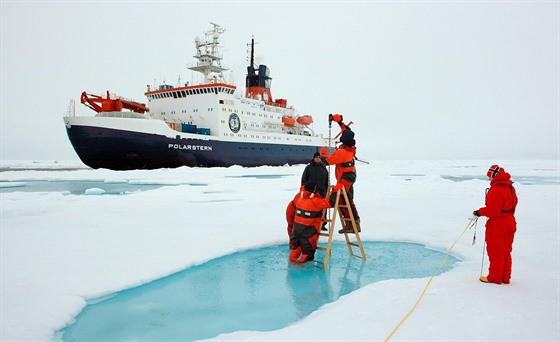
x: 71, y: 108
x: 129, y: 115
x: 279, y: 105
x: 114, y: 96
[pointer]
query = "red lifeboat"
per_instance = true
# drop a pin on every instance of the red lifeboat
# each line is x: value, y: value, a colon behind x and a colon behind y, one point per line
x: 305, y: 119
x: 288, y: 121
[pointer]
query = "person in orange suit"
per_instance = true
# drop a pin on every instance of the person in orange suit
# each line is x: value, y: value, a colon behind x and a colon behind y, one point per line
x: 307, y: 216
x: 345, y: 171
x: 501, y: 201
x: 291, y: 215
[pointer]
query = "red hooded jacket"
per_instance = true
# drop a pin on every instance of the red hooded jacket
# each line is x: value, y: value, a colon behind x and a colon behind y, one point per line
x: 305, y: 204
x: 501, y: 199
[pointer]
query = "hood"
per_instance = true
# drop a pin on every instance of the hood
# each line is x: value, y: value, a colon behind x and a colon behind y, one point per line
x: 502, y: 178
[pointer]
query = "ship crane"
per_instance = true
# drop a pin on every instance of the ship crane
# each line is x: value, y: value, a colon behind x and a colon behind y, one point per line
x: 108, y: 104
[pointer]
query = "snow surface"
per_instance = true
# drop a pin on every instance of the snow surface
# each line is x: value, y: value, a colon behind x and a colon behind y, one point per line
x: 60, y: 250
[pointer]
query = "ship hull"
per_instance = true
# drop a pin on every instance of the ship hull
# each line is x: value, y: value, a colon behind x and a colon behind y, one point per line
x: 117, y: 149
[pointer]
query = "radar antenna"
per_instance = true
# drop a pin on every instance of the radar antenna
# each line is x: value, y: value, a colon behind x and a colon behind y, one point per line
x: 209, y: 56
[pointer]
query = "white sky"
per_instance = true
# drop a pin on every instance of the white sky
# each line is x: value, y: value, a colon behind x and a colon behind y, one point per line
x: 420, y: 79
x: 56, y: 253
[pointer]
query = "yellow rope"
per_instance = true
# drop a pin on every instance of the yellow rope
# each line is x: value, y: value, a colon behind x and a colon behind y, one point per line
x: 429, y: 282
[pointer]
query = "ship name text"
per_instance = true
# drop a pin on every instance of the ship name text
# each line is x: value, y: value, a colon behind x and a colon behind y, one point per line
x: 190, y: 147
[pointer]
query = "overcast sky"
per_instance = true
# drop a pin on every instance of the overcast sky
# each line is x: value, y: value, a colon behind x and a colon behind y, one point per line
x: 419, y: 79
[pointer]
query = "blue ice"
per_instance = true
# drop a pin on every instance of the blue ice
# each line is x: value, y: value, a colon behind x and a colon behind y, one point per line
x: 250, y: 290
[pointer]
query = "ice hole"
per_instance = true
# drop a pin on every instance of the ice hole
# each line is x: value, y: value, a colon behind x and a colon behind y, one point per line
x: 251, y: 290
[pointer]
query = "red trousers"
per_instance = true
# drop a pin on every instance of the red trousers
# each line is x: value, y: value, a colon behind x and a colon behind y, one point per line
x: 499, y: 244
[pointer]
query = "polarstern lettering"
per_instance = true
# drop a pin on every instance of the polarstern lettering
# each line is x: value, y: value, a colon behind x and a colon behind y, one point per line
x: 190, y: 147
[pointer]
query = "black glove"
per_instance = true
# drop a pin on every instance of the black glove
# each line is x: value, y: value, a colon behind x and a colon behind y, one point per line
x: 476, y: 213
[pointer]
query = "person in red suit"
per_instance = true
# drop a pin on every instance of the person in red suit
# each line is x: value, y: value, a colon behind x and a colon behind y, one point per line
x: 306, y: 213
x: 345, y: 171
x: 501, y: 201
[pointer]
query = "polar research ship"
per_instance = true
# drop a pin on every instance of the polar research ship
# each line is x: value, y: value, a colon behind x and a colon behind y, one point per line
x: 207, y: 124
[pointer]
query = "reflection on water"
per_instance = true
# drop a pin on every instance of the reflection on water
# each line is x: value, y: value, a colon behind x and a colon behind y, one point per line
x: 252, y: 290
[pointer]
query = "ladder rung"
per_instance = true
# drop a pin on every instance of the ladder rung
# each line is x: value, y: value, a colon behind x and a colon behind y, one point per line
x: 342, y: 202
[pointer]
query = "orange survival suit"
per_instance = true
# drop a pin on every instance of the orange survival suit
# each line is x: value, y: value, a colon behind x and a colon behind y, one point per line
x: 306, y: 211
x: 345, y: 171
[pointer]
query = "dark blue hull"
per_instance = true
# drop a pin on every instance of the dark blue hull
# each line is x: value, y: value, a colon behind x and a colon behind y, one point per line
x: 113, y: 149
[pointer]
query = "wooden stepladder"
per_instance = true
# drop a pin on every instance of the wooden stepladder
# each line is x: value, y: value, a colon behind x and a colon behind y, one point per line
x: 332, y: 223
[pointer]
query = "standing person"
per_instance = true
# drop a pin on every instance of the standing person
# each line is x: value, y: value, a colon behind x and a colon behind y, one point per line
x: 345, y: 171
x: 306, y: 223
x: 317, y: 172
x: 500, y: 204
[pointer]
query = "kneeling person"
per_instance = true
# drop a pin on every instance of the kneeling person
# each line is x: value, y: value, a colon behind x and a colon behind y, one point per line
x: 307, y: 223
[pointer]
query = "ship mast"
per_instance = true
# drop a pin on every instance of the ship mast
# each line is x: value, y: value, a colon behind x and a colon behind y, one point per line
x: 258, y: 81
x: 209, y: 57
